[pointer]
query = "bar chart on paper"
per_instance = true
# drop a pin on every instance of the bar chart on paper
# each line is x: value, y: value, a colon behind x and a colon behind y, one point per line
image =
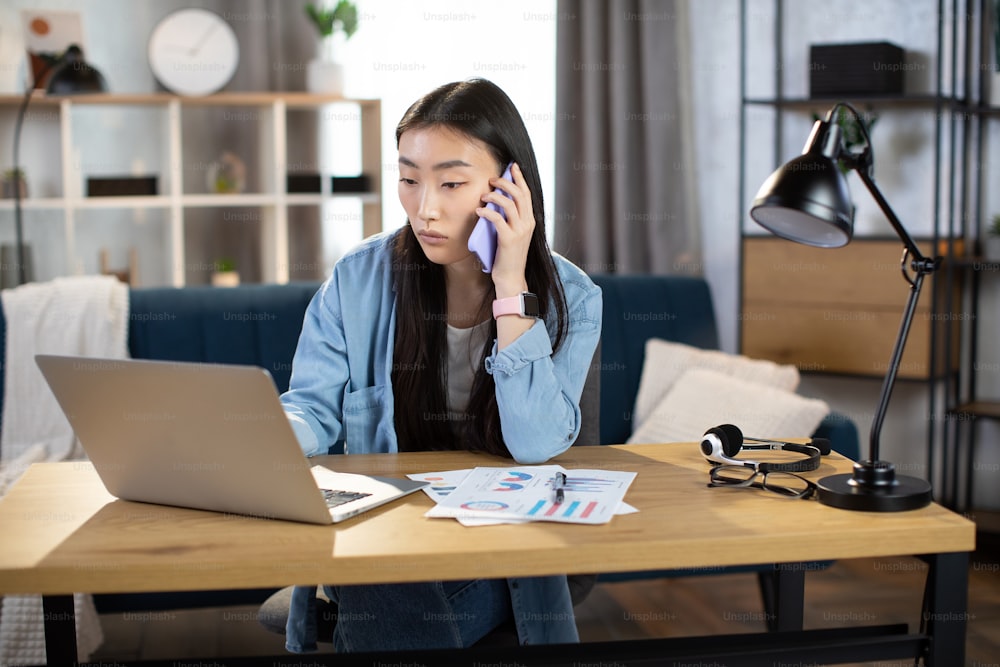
x: 548, y: 508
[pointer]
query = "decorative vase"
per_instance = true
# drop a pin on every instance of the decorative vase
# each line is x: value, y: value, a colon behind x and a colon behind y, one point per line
x: 323, y: 73
x: 226, y: 279
x: 227, y: 175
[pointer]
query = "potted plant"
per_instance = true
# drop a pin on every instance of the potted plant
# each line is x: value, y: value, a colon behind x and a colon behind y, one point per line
x: 225, y: 273
x: 323, y: 73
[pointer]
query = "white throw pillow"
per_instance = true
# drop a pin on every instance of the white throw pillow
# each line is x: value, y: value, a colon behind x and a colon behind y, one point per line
x: 702, y: 399
x: 666, y: 361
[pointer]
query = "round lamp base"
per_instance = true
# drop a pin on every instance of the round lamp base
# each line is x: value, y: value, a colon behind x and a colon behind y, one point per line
x: 843, y: 491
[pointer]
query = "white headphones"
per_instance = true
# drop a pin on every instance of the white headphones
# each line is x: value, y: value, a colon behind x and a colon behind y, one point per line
x: 722, y: 443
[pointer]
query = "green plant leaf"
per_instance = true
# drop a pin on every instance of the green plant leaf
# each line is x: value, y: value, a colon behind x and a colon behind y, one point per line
x: 225, y: 264
x: 322, y: 19
x: 343, y: 17
x: 347, y: 14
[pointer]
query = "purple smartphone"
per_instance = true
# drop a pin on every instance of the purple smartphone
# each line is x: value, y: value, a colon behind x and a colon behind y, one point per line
x: 483, y: 240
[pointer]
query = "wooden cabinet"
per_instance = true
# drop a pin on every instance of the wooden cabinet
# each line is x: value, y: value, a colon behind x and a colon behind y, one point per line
x: 838, y: 310
x: 164, y: 136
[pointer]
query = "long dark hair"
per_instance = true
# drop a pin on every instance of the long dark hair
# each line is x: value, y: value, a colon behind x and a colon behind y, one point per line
x: 478, y: 109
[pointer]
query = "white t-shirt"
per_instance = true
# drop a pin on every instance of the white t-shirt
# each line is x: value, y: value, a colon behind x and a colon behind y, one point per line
x: 464, y: 351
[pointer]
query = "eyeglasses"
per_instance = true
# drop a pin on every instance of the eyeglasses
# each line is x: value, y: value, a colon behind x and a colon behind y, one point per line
x: 785, y: 484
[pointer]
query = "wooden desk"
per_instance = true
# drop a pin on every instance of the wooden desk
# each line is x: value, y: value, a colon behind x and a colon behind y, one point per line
x: 64, y: 533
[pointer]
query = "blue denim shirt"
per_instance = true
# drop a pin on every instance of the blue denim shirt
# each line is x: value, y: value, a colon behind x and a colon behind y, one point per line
x: 340, y: 395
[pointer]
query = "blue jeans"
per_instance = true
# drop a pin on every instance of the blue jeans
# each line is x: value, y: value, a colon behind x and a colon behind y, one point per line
x: 425, y: 615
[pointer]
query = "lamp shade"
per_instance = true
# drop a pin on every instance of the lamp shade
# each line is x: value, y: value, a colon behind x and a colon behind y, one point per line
x: 74, y: 76
x: 806, y: 200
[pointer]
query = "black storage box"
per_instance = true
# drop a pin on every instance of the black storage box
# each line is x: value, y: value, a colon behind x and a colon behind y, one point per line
x: 121, y: 186
x: 350, y: 184
x: 864, y: 68
x: 310, y: 183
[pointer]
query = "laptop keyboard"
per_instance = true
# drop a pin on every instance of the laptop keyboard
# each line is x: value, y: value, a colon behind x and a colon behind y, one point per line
x: 334, y: 498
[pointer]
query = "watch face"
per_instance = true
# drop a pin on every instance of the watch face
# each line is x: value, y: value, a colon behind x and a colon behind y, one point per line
x: 530, y: 302
x: 193, y: 52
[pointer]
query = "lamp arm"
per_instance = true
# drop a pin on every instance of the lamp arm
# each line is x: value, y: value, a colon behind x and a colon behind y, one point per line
x: 22, y: 274
x: 911, y: 245
x: 18, y: 224
x: 894, y: 360
x: 922, y: 266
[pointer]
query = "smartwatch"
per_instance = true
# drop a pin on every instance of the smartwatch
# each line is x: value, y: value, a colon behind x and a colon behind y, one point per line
x: 524, y: 304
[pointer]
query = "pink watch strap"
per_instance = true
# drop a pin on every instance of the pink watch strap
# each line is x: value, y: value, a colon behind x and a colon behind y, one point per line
x: 508, y: 306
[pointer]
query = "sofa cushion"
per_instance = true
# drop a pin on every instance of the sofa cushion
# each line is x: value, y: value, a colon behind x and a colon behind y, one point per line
x: 703, y: 398
x: 667, y: 361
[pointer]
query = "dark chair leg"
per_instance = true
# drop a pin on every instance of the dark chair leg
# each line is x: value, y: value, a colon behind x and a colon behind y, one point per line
x: 769, y: 593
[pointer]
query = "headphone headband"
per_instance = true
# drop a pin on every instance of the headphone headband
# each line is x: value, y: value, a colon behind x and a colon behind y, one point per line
x: 722, y: 443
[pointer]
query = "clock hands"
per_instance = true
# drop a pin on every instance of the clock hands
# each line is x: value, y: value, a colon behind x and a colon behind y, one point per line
x: 192, y: 51
x: 204, y: 38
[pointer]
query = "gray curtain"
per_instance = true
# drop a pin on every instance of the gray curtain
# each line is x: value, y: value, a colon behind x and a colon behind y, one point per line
x: 625, y: 195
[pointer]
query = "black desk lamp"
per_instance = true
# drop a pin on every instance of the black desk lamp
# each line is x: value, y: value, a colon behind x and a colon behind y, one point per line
x: 806, y: 201
x: 70, y: 75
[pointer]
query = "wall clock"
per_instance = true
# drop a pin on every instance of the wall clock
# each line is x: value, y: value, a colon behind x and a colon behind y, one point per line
x: 193, y: 52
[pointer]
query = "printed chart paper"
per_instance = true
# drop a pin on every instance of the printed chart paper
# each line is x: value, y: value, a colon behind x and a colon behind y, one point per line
x: 526, y: 493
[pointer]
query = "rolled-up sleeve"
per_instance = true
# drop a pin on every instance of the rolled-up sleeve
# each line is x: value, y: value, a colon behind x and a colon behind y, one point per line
x: 313, y: 402
x: 538, y: 391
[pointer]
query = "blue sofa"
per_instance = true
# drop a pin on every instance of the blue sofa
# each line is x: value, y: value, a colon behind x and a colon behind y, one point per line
x: 260, y: 324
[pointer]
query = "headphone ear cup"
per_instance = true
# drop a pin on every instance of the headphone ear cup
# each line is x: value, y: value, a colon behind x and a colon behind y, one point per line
x: 822, y: 444
x: 731, y: 438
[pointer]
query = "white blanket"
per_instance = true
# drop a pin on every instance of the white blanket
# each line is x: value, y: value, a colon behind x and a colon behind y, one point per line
x: 87, y: 316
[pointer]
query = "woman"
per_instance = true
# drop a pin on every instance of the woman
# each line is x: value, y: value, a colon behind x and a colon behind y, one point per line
x: 410, y: 346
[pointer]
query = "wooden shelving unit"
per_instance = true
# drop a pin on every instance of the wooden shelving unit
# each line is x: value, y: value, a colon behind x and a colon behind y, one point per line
x: 268, y: 110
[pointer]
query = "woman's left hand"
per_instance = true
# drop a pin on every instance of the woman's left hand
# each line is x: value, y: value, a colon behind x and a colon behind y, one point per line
x: 513, y: 234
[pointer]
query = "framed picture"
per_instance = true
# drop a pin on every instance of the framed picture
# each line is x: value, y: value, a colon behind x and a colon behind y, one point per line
x: 47, y: 34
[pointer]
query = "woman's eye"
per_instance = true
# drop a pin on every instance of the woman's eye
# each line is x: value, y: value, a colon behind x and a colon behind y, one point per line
x: 452, y: 186
x: 408, y: 181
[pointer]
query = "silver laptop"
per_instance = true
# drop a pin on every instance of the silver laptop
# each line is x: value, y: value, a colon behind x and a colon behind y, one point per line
x: 207, y: 436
